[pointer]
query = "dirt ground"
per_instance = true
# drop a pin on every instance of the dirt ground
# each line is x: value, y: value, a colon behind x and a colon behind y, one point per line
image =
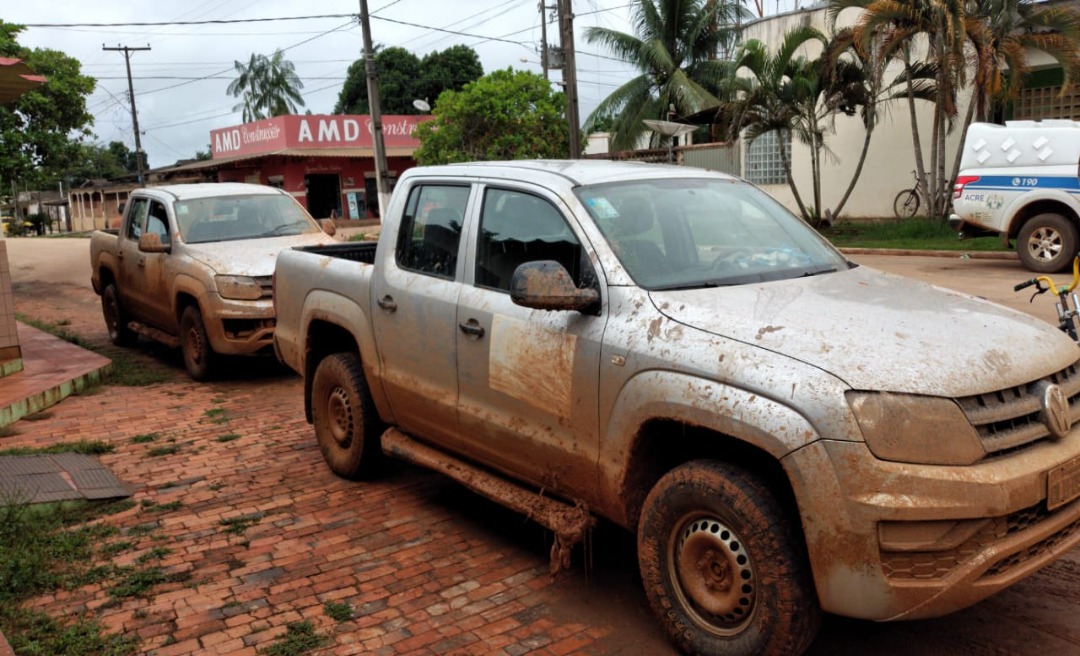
x: 428, y: 567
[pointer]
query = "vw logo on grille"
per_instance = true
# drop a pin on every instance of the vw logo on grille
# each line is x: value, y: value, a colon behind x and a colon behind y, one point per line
x: 1056, y: 411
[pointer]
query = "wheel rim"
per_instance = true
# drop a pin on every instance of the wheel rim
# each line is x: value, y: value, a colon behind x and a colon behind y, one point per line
x: 195, y: 347
x: 339, y: 417
x: 713, y: 574
x: 1045, y: 244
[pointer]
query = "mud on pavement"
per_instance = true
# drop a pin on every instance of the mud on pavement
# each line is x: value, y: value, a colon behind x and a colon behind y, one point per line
x: 253, y: 532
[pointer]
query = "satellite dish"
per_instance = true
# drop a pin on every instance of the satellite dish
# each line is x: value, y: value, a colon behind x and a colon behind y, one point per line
x: 669, y: 128
x: 421, y: 105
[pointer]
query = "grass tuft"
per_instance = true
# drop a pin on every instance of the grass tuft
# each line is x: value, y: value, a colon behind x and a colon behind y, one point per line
x: 88, y: 447
x: 299, y: 638
x: 339, y: 612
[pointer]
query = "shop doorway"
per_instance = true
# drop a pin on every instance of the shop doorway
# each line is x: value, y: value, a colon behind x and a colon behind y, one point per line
x: 323, y: 194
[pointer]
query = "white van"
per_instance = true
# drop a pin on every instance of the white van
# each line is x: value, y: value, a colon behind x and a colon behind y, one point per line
x: 1020, y: 181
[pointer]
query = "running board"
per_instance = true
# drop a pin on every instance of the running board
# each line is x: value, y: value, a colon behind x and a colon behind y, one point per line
x: 153, y: 333
x: 569, y: 523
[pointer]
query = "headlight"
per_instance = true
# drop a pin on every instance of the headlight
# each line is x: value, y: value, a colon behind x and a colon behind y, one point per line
x: 241, y: 288
x: 925, y: 430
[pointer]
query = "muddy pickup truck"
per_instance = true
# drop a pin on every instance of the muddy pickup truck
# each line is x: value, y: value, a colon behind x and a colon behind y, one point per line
x: 669, y: 349
x: 190, y: 266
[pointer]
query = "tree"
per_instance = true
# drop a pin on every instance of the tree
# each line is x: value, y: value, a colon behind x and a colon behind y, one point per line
x: 502, y: 116
x: 674, y: 47
x: 404, y: 78
x: 40, y: 132
x: 452, y: 69
x: 782, y: 93
x: 268, y: 86
x: 124, y: 157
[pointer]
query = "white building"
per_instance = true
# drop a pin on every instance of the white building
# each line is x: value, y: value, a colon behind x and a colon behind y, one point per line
x: 891, y: 156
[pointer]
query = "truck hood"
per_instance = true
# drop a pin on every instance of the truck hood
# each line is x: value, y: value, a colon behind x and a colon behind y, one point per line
x: 880, y: 332
x: 250, y: 257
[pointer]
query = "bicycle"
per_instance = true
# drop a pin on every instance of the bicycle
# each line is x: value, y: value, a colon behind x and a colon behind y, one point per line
x: 906, y: 203
x: 1066, y: 314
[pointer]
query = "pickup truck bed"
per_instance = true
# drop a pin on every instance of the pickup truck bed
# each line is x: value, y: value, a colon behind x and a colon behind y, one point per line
x: 363, y: 251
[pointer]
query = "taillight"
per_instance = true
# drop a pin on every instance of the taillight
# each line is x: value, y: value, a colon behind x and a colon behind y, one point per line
x: 961, y: 182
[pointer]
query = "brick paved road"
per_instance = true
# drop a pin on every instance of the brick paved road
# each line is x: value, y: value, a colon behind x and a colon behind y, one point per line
x: 264, y: 535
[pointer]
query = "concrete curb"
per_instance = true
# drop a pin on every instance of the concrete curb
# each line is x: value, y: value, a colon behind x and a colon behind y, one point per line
x: 972, y: 255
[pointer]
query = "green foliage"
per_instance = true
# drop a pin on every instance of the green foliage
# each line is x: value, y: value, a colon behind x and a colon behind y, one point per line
x: 237, y: 525
x: 36, y: 129
x: 143, y: 438
x: 404, y: 78
x: 227, y: 437
x: 136, y: 582
x: 47, y: 548
x: 505, y: 115
x: 674, y: 49
x: 917, y: 233
x: 267, y: 86
x: 339, y: 612
x: 159, y: 451
x: 88, y: 447
x: 299, y: 638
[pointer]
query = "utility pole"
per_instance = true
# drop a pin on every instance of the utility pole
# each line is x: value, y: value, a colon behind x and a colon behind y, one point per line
x: 376, y: 113
x: 543, y: 37
x: 134, y: 115
x: 566, y: 26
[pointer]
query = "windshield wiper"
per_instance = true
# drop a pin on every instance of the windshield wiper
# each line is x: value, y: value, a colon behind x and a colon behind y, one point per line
x: 816, y: 272
x: 708, y: 284
x: 280, y: 230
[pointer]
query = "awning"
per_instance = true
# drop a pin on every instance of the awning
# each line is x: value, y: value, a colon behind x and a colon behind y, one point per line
x: 286, y: 152
x: 16, y: 78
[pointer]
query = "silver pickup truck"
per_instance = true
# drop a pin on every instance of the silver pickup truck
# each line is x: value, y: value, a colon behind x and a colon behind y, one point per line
x: 670, y: 349
x: 190, y: 266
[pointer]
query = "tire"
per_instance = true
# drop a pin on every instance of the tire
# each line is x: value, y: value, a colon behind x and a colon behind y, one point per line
x: 199, y: 356
x: 906, y: 204
x: 116, y: 319
x: 723, y: 567
x: 346, y: 423
x: 1047, y: 243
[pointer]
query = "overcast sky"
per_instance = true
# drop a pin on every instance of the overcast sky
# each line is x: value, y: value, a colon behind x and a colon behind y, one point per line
x: 176, y: 115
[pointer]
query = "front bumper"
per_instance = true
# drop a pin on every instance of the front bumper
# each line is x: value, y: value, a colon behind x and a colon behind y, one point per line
x: 896, y: 541
x: 239, y: 327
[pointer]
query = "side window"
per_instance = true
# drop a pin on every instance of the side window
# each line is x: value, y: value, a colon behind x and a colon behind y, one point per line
x: 516, y: 228
x: 137, y: 211
x: 158, y: 221
x: 431, y: 229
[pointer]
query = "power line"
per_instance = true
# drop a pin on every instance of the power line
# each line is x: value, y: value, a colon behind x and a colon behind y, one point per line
x: 203, y: 22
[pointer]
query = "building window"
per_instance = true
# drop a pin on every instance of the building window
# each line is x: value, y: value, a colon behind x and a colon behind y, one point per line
x: 763, y: 163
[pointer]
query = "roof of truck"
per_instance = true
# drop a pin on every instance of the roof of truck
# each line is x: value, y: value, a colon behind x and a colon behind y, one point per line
x: 210, y: 190
x: 578, y: 171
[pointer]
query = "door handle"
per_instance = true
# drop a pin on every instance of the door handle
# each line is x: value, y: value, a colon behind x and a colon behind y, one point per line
x: 472, y: 328
x: 387, y: 303
x: 141, y: 262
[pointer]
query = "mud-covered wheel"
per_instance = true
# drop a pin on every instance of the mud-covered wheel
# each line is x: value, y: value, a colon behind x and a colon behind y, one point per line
x: 1047, y: 243
x: 722, y: 564
x: 199, y: 356
x: 116, y: 320
x: 346, y: 422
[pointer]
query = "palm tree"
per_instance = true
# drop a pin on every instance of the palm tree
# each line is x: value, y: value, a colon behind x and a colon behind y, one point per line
x: 782, y: 93
x: 674, y: 47
x: 896, y: 28
x: 268, y: 87
x: 856, y: 81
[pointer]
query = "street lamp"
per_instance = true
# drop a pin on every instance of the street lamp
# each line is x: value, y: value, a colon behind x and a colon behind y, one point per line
x: 669, y: 129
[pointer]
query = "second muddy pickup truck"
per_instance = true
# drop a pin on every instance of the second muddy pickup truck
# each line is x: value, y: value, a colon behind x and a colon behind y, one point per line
x: 672, y: 350
x: 190, y: 266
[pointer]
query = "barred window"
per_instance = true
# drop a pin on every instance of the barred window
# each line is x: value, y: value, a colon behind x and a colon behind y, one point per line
x: 1046, y: 102
x: 763, y: 163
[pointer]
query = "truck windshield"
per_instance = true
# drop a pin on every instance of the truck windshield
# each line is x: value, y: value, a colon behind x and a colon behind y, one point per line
x: 695, y: 232
x: 228, y: 218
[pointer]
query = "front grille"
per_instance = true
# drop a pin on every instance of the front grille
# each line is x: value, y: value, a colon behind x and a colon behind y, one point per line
x: 928, y: 565
x: 1010, y: 419
x: 266, y: 284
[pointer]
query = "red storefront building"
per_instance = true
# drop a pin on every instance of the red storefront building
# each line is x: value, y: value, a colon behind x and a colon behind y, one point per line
x: 327, y: 162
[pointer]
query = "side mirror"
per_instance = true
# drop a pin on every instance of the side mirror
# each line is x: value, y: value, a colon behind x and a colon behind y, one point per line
x: 150, y: 242
x: 328, y: 226
x: 546, y: 285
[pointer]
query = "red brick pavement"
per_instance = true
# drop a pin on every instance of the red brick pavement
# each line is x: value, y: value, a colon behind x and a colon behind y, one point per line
x: 427, y: 567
